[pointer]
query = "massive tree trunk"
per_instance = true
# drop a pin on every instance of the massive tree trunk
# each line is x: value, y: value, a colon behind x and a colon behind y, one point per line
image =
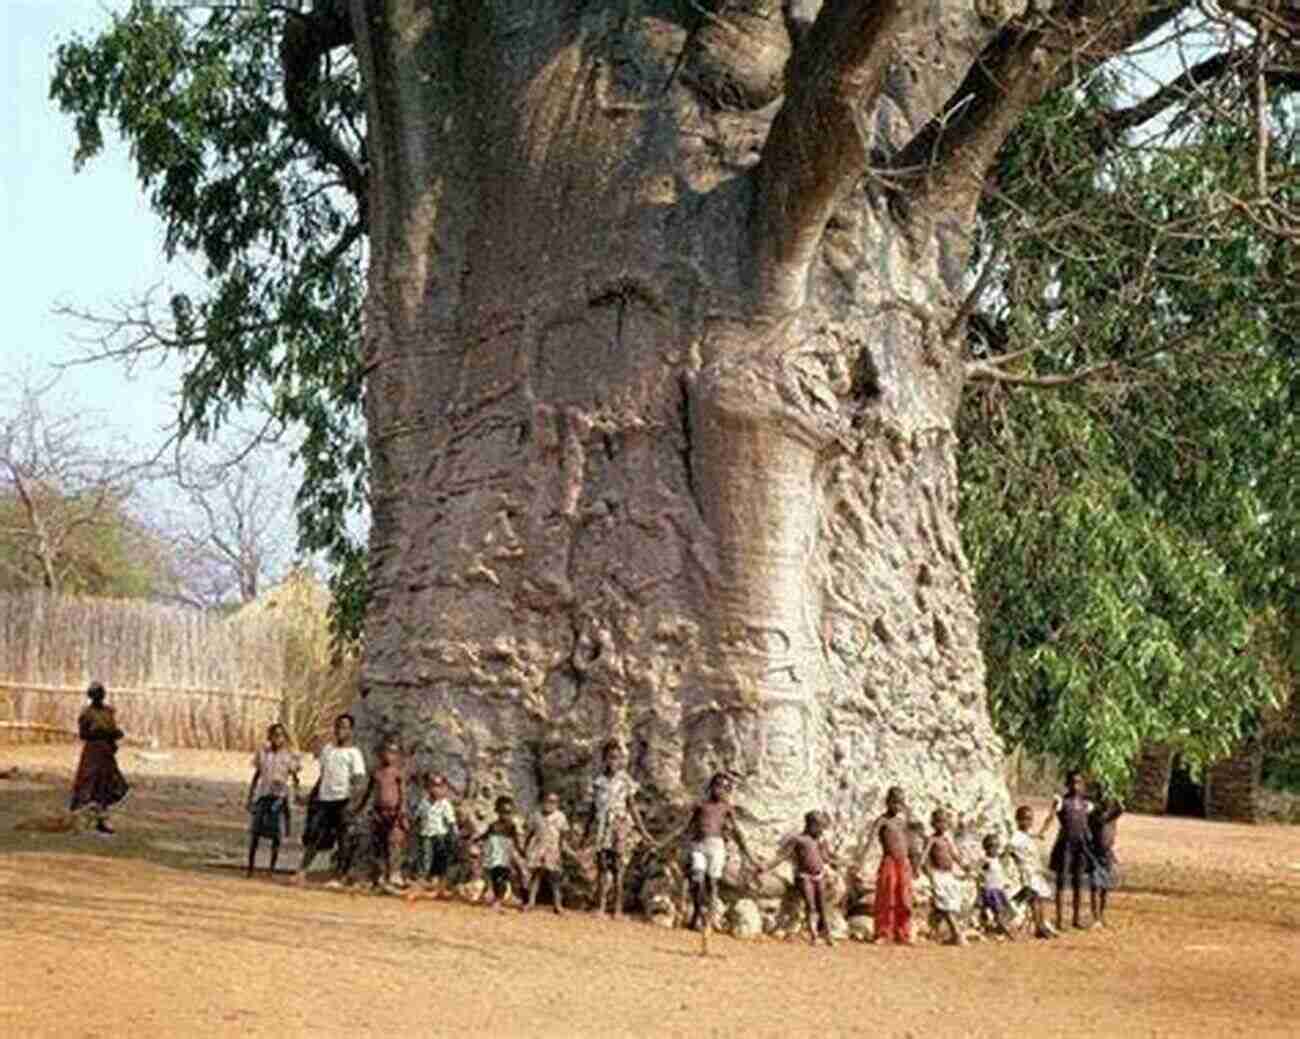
x: 662, y: 391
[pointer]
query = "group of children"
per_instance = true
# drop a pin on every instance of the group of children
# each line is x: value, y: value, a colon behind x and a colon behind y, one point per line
x: 420, y: 834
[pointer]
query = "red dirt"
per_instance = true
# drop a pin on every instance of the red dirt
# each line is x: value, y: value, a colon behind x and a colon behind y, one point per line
x: 136, y: 935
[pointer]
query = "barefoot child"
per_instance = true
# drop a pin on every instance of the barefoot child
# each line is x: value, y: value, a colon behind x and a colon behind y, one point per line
x: 342, y: 768
x: 941, y: 863
x: 547, y: 830
x: 893, y: 904
x: 993, y: 901
x: 1102, y: 826
x: 1071, y: 857
x: 501, y: 850
x: 712, y: 821
x: 275, y: 767
x: 810, y: 855
x: 388, y: 822
x: 433, y: 821
x: 1023, y: 849
x: 610, y: 823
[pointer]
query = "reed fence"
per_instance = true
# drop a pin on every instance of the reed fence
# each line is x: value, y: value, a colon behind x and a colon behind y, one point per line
x: 177, y: 677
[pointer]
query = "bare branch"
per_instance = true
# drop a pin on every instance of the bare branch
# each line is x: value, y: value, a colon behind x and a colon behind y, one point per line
x: 815, y: 146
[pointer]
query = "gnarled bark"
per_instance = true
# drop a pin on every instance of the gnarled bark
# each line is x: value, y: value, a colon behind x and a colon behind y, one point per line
x: 661, y: 403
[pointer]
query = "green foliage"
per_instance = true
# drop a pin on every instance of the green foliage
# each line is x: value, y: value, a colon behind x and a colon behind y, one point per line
x: 197, y: 91
x: 108, y: 555
x: 1128, y: 530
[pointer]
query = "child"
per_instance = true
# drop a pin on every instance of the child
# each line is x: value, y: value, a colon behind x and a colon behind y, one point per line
x: 810, y: 855
x: 274, y: 768
x: 99, y: 783
x: 711, y: 822
x: 993, y: 901
x: 1023, y: 849
x: 547, y: 830
x: 941, y: 863
x: 893, y: 908
x: 1071, y: 857
x: 433, y: 820
x: 500, y: 849
x: 610, y: 822
x: 388, y: 821
x: 471, y: 885
x: 1102, y: 826
x: 342, y: 767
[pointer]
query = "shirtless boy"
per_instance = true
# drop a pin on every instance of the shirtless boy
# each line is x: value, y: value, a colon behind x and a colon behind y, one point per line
x: 388, y: 824
x: 712, y: 821
x: 941, y: 862
x: 810, y: 855
x: 893, y: 909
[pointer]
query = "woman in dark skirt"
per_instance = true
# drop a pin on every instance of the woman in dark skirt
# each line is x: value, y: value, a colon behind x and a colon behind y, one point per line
x: 99, y: 783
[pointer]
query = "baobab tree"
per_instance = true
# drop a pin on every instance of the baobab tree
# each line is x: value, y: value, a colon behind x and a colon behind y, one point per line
x: 663, y: 345
x: 664, y: 337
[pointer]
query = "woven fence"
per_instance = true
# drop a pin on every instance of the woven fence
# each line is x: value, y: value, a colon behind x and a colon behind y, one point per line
x: 178, y: 678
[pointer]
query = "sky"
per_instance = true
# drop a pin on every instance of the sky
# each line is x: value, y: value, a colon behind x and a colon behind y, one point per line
x: 85, y: 240
x: 82, y: 239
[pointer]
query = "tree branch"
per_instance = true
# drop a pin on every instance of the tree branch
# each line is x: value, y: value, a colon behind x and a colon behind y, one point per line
x: 1191, y: 83
x: 1029, y: 57
x: 816, y: 147
x: 308, y: 38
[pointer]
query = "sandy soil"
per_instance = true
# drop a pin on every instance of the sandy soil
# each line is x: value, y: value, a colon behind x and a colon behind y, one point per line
x: 141, y: 935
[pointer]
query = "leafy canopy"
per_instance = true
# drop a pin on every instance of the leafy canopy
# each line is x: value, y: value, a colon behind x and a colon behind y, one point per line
x: 277, y: 227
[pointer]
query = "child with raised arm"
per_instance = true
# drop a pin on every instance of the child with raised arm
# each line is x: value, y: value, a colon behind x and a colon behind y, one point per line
x: 433, y: 821
x: 1103, y: 823
x: 548, y: 828
x: 329, y: 806
x: 1071, y: 858
x: 1023, y: 849
x: 275, y: 768
x: 501, y: 849
x: 810, y: 855
x: 388, y: 820
x: 893, y: 903
x: 610, y: 823
x: 993, y: 901
x: 942, y: 861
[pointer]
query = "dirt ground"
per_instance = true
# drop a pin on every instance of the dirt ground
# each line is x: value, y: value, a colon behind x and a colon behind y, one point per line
x: 142, y: 935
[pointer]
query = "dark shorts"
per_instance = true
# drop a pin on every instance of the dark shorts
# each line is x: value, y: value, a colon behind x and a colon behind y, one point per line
x: 327, y: 823
x: 995, y: 901
x: 1105, y: 877
x: 500, y: 878
x: 434, y: 855
x: 1071, y: 861
x: 270, y: 817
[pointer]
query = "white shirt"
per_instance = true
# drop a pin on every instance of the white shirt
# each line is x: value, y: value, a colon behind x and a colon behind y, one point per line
x: 1028, y: 859
x: 434, y: 818
x: 991, y: 876
x: 338, y: 767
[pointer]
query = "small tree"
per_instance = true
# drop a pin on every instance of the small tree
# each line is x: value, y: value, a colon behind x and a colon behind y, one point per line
x: 65, y: 523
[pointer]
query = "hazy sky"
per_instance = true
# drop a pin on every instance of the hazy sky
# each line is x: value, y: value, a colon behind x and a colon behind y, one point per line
x: 86, y: 239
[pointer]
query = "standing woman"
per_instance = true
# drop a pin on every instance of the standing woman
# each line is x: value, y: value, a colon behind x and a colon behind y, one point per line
x: 99, y: 783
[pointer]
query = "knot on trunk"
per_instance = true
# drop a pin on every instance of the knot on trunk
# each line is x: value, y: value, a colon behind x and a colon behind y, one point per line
x: 796, y: 396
